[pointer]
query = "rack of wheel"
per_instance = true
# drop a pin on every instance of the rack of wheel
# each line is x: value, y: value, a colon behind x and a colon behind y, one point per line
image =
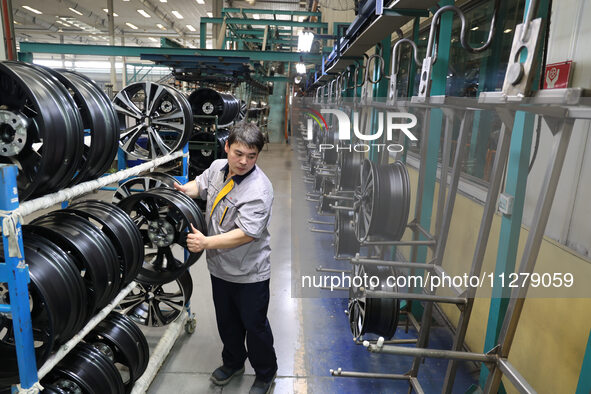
x: 370, y: 204
x: 95, y: 269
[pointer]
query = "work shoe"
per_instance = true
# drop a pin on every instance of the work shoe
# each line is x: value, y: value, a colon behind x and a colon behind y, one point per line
x: 261, y: 387
x: 223, y: 375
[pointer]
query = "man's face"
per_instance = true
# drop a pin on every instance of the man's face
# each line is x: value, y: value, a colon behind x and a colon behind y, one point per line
x: 241, y: 158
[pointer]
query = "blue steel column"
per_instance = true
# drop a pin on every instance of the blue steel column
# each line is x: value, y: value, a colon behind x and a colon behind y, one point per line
x: 18, y: 278
x: 516, y: 181
x: 438, y: 84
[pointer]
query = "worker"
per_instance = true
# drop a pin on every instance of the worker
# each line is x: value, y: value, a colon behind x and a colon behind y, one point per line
x: 239, y: 198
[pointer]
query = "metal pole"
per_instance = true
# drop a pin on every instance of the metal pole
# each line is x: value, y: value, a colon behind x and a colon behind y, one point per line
x: 111, y: 20
x: 444, y: 230
x: 532, y: 246
x: 416, y: 296
x: 481, y: 244
x: 433, y: 353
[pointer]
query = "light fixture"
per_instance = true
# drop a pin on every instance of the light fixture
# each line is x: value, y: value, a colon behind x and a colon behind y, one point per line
x: 210, y: 15
x: 152, y: 39
x: 256, y: 16
x: 200, y: 1
x: 160, y: 26
x: 75, y: 11
x: 474, y: 28
x: 163, y: 1
x: 296, y: 80
x: 507, y: 31
x: 177, y: 14
x: 107, y: 11
x: 300, y: 68
x: 26, y: 7
x: 305, y: 40
x: 134, y: 27
x: 190, y: 27
x: 144, y: 14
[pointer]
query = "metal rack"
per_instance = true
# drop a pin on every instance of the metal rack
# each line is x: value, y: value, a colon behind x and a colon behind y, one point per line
x: 15, y: 272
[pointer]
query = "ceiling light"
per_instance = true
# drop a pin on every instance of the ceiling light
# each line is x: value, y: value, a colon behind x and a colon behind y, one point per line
x: 152, y: 39
x: 75, y: 11
x: 163, y: 1
x: 191, y: 28
x: 134, y: 27
x: 16, y: 23
x: 256, y: 16
x: 200, y: 1
x: 300, y: 68
x: 107, y: 11
x: 209, y: 14
x: 94, y: 38
x: 507, y: 30
x: 474, y: 28
x: 305, y: 41
x: 26, y: 7
x: 159, y: 25
x: 144, y: 13
x: 177, y: 14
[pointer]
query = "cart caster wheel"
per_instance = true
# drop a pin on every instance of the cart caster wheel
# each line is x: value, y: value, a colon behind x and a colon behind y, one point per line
x: 190, y: 325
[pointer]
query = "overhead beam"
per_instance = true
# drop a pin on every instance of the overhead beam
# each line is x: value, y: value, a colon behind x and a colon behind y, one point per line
x: 270, y: 12
x: 106, y: 50
x: 265, y: 22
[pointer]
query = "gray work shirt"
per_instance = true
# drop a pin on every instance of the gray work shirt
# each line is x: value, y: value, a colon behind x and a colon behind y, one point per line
x: 246, y: 206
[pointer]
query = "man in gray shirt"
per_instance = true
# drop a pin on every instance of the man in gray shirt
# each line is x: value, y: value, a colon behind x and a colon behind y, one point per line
x: 239, y: 198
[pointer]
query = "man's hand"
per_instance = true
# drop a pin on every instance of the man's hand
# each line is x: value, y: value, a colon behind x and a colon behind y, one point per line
x: 196, y: 241
x: 190, y: 188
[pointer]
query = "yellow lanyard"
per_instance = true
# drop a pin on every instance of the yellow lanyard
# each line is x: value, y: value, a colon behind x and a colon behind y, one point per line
x: 225, y: 190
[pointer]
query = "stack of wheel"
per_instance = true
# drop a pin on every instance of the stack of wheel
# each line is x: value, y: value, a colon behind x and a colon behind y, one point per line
x: 207, y: 103
x: 44, y: 116
x: 201, y: 159
x: 111, y: 358
x: 79, y: 259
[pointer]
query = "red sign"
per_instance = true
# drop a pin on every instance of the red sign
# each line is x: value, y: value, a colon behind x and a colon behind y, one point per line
x: 557, y: 75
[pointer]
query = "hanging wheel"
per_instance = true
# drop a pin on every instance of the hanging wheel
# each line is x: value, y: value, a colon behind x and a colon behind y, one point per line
x: 140, y: 184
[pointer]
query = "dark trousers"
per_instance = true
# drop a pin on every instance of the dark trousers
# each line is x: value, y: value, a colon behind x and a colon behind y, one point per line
x: 241, y: 312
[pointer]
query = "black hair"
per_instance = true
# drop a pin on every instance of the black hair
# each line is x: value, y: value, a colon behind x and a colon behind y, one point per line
x: 248, y: 134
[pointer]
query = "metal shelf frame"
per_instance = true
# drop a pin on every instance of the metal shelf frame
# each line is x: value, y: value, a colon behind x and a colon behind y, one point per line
x: 15, y: 271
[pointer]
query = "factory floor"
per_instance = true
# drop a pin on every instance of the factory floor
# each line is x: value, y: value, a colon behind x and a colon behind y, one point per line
x: 311, y: 334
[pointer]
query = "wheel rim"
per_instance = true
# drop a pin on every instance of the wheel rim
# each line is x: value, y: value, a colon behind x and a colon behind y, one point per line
x: 91, y: 250
x: 49, y: 157
x: 142, y: 184
x: 158, y: 305
x: 155, y: 120
x: 163, y: 217
x: 121, y: 231
x: 87, y: 368
x: 126, y: 345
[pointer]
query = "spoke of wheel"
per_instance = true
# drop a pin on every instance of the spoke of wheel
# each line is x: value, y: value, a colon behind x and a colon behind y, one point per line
x: 125, y: 99
x: 131, y: 130
x: 170, y: 303
x: 157, y: 313
x: 178, y: 114
x: 127, y: 112
x: 152, y: 100
x: 157, y: 139
x: 129, y: 145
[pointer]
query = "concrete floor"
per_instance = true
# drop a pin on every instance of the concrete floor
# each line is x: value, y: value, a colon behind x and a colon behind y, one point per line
x: 311, y: 334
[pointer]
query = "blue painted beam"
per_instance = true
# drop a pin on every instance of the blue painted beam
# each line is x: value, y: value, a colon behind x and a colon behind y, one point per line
x: 270, y: 12
x: 515, y: 185
x: 265, y: 22
x: 17, y: 279
x: 107, y: 50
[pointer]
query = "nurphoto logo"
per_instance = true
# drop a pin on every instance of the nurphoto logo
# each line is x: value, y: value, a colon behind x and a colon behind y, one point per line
x: 402, y: 121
